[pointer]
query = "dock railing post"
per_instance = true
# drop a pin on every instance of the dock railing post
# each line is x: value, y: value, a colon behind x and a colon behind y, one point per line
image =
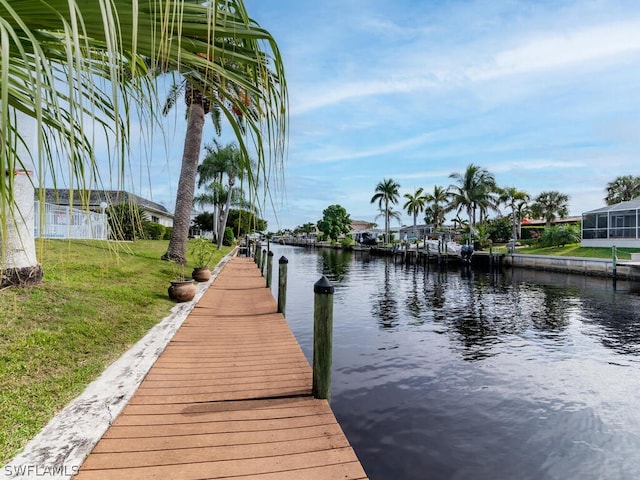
x: 258, y: 251
x: 322, y: 337
x: 282, y: 284
x: 269, y: 267
x: 263, y: 260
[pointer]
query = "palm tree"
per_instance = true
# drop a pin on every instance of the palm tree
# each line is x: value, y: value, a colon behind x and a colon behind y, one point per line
x: 437, y: 211
x: 473, y: 192
x: 389, y: 214
x: 459, y: 222
x: 512, y: 198
x: 414, y: 206
x: 220, y: 45
x: 622, y: 189
x: 259, y: 81
x: 386, y: 194
x: 234, y: 167
x: 212, y: 169
x: 522, y: 210
x: 549, y: 204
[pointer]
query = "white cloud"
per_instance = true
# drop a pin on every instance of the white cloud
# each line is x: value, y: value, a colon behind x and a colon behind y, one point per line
x: 559, y: 50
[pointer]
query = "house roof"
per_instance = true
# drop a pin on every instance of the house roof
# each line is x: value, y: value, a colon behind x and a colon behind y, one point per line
x: 529, y: 222
x: 629, y: 205
x: 96, y: 197
x: 360, y: 225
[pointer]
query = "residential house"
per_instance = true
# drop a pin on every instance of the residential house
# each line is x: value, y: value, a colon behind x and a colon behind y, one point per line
x: 614, y: 225
x: 99, y: 200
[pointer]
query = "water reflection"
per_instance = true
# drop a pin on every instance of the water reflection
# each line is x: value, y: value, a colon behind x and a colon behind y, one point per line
x: 471, y: 375
x: 335, y: 264
x: 384, y: 305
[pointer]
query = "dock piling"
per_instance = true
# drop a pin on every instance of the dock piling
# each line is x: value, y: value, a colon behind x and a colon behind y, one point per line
x: 263, y: 260
x: 282, y: 284
x: 257, y: 254
x: 269, y: 268
x: 322, y: 337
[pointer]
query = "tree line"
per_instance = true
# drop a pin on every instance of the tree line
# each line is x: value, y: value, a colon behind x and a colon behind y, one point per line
x: 472, y: 196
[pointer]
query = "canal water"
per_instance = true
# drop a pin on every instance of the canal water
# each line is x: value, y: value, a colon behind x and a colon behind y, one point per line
x: 473, y: 374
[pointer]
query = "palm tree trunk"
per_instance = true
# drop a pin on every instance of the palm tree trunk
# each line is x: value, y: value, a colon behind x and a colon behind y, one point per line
x: 17, y: 245
x: 223, y: 220
x: 386, y: 222
x: 177, y: 250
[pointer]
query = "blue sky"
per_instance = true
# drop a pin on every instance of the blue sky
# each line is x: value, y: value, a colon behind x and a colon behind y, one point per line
x: 543, y: 94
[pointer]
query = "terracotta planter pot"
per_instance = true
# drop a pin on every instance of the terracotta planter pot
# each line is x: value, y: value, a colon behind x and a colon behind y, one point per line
x: 201, y: 274
x: 182, y: 290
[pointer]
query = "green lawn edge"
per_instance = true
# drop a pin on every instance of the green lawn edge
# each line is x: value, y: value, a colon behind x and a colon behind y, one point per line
x: 574, y: 250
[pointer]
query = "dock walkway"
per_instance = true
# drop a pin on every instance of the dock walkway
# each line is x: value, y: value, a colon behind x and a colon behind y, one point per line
x: 230, y: 397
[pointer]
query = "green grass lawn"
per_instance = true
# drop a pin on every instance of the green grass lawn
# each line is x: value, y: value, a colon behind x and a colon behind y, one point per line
x: 97, y: 299
x: 575, y: 250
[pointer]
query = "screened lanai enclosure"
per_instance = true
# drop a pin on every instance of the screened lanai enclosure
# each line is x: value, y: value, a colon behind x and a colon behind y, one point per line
x: 612, y: 225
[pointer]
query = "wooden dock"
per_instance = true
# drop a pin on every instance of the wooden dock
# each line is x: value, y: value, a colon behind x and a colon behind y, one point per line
x: 230, y: 397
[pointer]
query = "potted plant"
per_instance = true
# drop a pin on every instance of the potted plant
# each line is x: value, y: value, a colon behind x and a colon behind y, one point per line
x: 202, y: 251
x: 181, y: 289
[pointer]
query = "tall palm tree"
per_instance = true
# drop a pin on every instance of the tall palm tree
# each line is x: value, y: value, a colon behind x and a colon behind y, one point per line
x: 437, y: 209
x: 414, y: 205
x: 71, y: 43
x: 550, y: 204
x: 522, y: 210
x: 234, y: 167
x: 512, y: 198
x: 622, y: 189
x: 473, y: 191
x: 211, y: 171
x: 386, y: 194
x: 459, y: 222
x: 389, y: 214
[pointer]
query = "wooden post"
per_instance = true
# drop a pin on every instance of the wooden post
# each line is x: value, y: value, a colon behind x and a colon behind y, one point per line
x: 263, y: 260
x: 269, y: 267
x: 258, y: 251
x: 322, y: 337
x: 614, y: 258
x: 282, y: 284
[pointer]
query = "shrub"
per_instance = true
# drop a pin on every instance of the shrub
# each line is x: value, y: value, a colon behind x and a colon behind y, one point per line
x: 499, y: 229
x: 347, y: 242
x: 559, y: 235
x: 167, y: 233
x: 154, y: 231
x: 228, y: 238
x: 127, y: 221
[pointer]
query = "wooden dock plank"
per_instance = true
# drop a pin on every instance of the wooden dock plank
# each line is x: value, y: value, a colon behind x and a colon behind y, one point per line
x: 230, y: 397
x: 114, y: 445
x: 229, y: 468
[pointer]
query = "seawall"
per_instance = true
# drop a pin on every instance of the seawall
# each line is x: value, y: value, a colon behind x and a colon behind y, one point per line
x: 628, y: 270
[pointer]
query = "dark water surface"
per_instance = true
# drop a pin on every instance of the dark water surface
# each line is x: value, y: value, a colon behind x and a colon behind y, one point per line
x: 471, y: 375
